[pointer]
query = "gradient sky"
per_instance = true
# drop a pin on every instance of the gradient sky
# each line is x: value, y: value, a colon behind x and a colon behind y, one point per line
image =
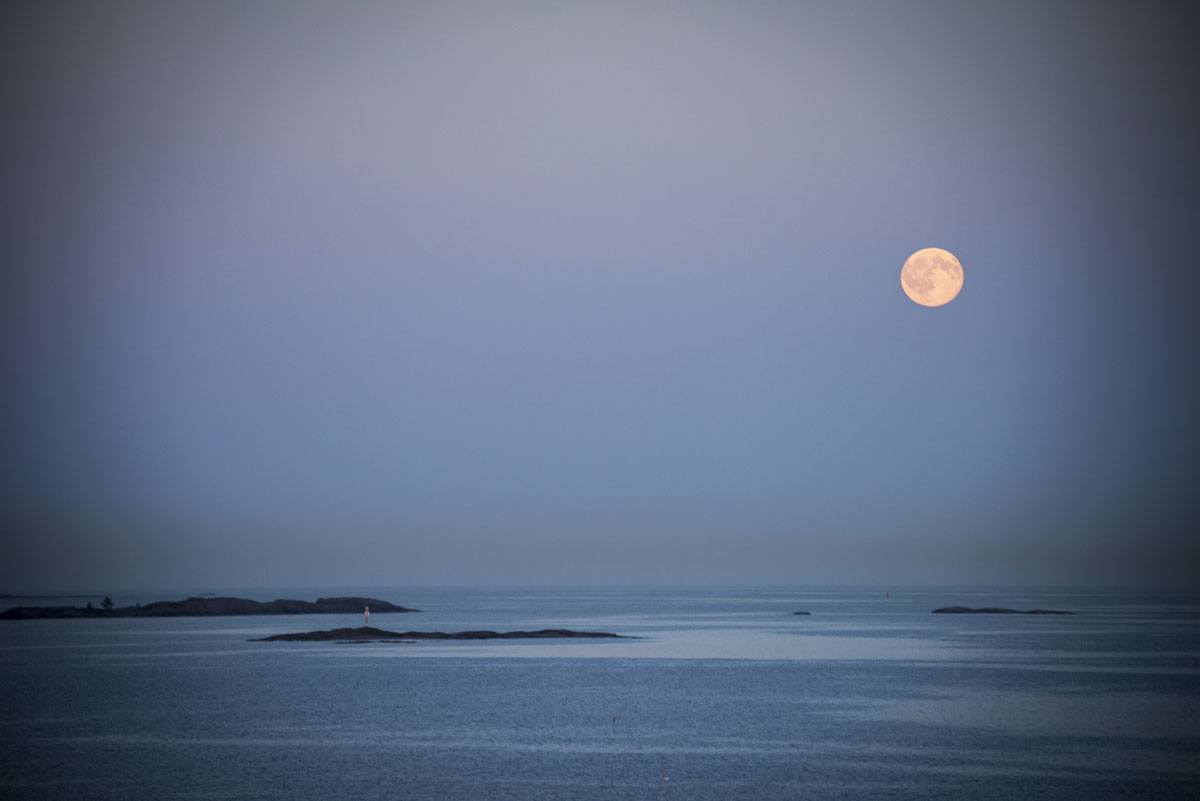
x: 390, y: 293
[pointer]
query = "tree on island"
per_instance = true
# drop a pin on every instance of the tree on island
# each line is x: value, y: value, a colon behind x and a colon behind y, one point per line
x: 107, y: 604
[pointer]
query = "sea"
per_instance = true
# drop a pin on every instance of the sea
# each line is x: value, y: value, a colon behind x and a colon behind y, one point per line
x: 719, y: 693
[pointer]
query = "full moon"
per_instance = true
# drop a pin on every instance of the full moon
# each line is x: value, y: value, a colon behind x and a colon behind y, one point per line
x: 931, y: 277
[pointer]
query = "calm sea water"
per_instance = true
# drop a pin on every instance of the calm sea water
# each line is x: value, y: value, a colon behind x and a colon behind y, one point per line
x: 725, y: 695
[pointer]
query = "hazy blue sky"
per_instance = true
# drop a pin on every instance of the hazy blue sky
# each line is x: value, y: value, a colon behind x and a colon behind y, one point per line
x: 384, y: 293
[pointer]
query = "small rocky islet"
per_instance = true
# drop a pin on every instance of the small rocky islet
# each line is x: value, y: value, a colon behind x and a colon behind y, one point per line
x: 372, y: 634
x: 209, y: 606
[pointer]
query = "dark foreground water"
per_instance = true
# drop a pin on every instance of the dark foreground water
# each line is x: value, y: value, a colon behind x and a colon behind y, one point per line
x: 725, y: 696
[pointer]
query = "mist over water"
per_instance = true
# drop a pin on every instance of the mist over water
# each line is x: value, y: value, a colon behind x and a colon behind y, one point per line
x: 369, y: 293
x: 724, y: 694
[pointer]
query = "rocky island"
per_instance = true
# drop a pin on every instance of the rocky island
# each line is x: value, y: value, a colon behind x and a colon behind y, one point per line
x: 209, y: 606
x: 371, y: 634
x: 995, y: 610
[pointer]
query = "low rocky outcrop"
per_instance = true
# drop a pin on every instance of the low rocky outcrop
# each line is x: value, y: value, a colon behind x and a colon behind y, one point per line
x: 210, y: 606
x: 995, y: 610
x: 801, y: 613
x: 371, y: 634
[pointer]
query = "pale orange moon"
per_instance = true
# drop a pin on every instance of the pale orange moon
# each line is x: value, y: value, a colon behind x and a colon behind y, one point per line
x: 931, y: 277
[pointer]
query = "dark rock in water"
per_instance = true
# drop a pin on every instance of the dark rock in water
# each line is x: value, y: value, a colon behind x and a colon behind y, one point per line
x: 371, y: 634
x: 360, y: 634
x: 995, y: 610
x: 210, y: 607
x: 801, y: 613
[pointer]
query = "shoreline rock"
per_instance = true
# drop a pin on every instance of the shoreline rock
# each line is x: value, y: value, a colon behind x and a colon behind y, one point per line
x: 209, y: 606
x: 372, y: 634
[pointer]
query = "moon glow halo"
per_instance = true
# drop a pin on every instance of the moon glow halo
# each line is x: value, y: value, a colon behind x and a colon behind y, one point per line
x: 931, y: 277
